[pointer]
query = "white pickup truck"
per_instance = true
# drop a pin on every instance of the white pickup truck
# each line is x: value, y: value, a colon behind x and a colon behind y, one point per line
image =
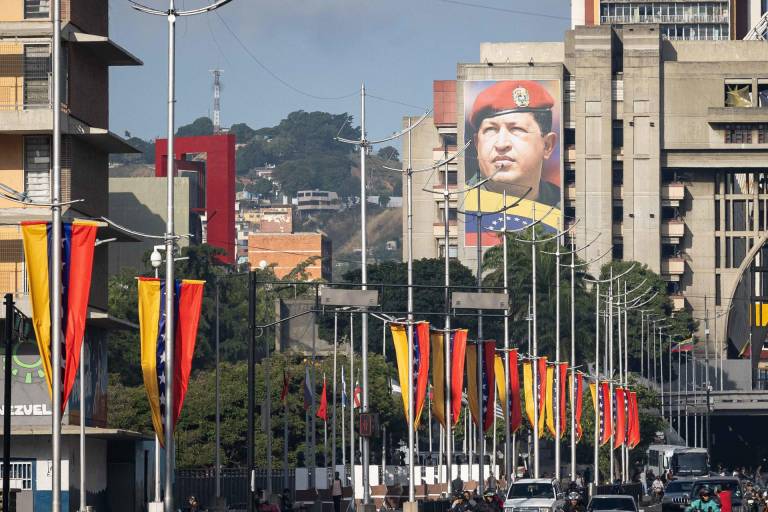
x: 534, y: 495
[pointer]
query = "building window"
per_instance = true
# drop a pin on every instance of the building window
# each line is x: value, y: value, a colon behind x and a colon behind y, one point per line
x: 762, y: 94
x: 617, y: 134
x: 739, y: 250
x: 717, y: 252
x: 37, y: 167
x: 717, y: 215
x: 37, y: 9
x: 738, y: 93
x: 21, y: 471
x: 452, y: 213
x: 37, y: 72
x: 738, y: 134
x: 617, y: 252
x: 453, y: 177
x: 453, y: 249
x: 718, y: 290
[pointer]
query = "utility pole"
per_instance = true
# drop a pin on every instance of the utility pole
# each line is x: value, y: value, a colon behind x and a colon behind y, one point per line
x: 9, y: 318
x: 170, y: 240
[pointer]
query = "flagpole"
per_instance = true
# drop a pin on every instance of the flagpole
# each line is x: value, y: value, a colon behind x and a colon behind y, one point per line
x: 535, y: 354
x: 352, y: 407
x: 285, y: 441
x: 610, y: 373
x: 573, y: 359
x: 409, y: 385
x: 558, y: 427
x: 333, y: 425
x: 447, y: 337
x: 597, y: 388
x: 83, y: 493
x: 507, y: 430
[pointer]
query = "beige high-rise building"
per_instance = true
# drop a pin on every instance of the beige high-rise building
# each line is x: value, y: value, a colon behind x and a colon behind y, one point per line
x: 664, y: 152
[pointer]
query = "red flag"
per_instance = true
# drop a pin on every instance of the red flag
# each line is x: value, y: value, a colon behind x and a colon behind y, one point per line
x: 634, y: 438
x: 284, y: 392
x: 322, y: 409
x: 630, y: 419
x: 605, y: 407
x: 357, y: 393
x: 562, y: 368
x: 542, y: 385
x: 578, y: 396
x: 516, y: 412
x: 189, y: 297
x: 458, y: 358
x: 79, y: 262
x: 621, y: 421
x: 489, y: 383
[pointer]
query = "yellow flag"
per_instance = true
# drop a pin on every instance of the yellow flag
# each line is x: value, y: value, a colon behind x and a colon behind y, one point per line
x: 501, y: 384
x: 400, y: 341
x: 593, y: 392
x: 550, y: 400
x: 438, y: 376
x: 472, y: 382
x: 528, y: 390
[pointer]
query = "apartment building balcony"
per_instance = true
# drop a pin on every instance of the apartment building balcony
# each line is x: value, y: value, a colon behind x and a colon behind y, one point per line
x: 624, y: 19
x: 672, y: 266
x: 672, y: 193
x: 438, y: 229
x: 678, y: 301
x: 570, y: 192
x: 673, y: 229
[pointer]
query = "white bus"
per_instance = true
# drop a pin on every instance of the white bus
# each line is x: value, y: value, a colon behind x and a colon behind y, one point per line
x: 683, y: 461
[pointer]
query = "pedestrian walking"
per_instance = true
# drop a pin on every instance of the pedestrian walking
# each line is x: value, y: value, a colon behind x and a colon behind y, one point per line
x: 336, y: 492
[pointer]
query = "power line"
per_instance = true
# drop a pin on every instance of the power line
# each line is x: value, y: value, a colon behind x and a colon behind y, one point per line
x: 510, y: 11
x: 275, y: 75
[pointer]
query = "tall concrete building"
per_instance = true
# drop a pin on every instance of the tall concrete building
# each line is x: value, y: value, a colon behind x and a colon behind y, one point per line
x: 712, y: 20
x: 664, y: 150
x: 26, y: 121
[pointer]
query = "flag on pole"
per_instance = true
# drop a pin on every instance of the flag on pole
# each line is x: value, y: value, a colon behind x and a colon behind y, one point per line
x: 357, y: 394
x: 322, y: 409
x: 578, y: 395
x: 550, y: 392
x: 501, y: 385
x: 188, y: 298
x: 284, y: 392
x: 420, y: 365
x: 621, y: 425
x: 684, y: 346
x: 458, y: 351
x: 542, y: 392
x: 516, y: 416
x: 343, y: 389
x: 528, y: 391
x: 634, y: 421
x: 606, y: 427
x: 562, y: 380
x: 486, y: 409
x: 307, y: 389
x: 78, y: 240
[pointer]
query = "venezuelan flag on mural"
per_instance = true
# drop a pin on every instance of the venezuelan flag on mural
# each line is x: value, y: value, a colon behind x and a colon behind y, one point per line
x: 515, y: 409
x: 420, y: 365
x: 188, y: 298
x: 78, y: 239
x: 488, y: 380
x: 458, y: 350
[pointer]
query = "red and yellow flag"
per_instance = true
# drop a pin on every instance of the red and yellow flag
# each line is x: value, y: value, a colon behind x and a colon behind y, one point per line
x: 188, y: 298
x: 458, y: 350
x: 515, y: 407
x: 420, y: 365
x: 78, y: 239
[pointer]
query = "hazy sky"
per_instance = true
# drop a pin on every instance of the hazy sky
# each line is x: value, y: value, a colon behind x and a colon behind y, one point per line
x: 325, y: 48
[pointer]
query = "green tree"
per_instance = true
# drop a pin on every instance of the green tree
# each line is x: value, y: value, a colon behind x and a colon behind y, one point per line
x: 200, y: 126
x: 242, y: 132
x: 322, y: 172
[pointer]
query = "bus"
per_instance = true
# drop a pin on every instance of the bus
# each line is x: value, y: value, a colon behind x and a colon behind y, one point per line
x: 683, y: 461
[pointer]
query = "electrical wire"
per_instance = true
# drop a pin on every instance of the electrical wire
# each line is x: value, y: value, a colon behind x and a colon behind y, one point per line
x: 274, y: 75
x: 503, y: 9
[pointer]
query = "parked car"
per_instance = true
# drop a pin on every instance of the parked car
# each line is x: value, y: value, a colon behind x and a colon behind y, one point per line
x: 612, y: 503
x: 677, y: 495
x: 534, y: 495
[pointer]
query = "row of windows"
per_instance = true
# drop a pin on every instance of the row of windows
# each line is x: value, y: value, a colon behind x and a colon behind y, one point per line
x: 730, y: 251
x: 739, y: 93
x: 666, y: 9
x: 741, y: 183
x: 745, y: 133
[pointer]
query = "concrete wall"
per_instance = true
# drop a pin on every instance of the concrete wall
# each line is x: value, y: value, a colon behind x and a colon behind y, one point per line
x: 88, y: 91
x: 12, y: 10
x: 139, y: 204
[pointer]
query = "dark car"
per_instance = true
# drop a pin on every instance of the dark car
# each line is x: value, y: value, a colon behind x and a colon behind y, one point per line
x: 612, y: 502
x: 715, y: 484
x: 677, y: 495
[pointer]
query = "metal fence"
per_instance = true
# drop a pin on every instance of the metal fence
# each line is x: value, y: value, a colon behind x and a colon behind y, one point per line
x: 25, y: 75
x: 234, y: 484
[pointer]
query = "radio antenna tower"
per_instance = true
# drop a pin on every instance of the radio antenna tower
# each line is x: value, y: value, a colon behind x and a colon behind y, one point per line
x: 217, y: 100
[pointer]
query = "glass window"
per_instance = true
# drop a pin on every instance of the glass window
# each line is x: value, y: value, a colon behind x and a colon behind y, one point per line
x: 727, y: 215
x: 727, y: 252
x: 739, y: 215
x: 738, y: 134
x: 738, y: 94
x: 739, y: 250
x: 717, y: 252
x: 717, y: 215
x: 718, y: 290
x: 37, y: 9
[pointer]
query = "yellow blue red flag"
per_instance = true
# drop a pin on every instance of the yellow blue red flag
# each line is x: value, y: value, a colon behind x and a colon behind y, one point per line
x: 78, y: 239
x: 188, y: 297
